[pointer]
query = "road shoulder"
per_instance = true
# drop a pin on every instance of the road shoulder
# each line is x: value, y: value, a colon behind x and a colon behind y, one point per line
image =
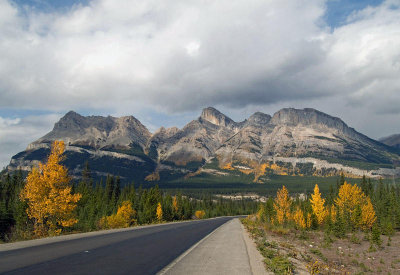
x: 255, y: 258
x: 224, y: 251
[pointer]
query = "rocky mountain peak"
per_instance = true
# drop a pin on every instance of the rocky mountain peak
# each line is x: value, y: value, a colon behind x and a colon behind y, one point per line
x: 307, y: 117
x: 214, y: 116
x: 259, y: 118
x: 70, y: 120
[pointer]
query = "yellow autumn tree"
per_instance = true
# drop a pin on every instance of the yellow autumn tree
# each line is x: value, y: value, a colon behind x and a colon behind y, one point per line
x: 317, y: 204
x: 368, y: 216
x: 123, y: 218
x: 175, y: 204
x: 261, y: 212
x: 333, y: 213
x: 282, y: 205
x: 48, y: 194
x: 199, y: 214
x: 159, y: 212
x: 350, y: 201
x: 298, y: 218
x: 308, y: 222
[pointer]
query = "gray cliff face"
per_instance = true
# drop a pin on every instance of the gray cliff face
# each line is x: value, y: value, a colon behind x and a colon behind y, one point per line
x: 258, y: 119
x: 196, y: 142
x: 129, y: 149
x: 301, y: 133
x: 215, y: 117
x: 97, y: 132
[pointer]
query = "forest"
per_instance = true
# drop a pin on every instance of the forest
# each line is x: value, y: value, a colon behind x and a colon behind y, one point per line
x: 48, y: 202
x: 342, y: 232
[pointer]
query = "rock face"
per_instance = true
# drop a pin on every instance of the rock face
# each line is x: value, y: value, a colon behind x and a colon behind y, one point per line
x: 290, y: 139
x: 98, y: 132
x: 107, y: 143
x: 393, y: 140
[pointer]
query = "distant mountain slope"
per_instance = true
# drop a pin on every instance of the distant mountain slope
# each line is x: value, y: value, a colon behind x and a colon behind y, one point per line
x: 393, y: 140
x: 111, y: 145
x: 291, y: 142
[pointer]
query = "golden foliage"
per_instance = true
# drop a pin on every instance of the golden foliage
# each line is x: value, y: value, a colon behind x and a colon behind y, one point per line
x: 317, y: 204
x: 259, y: 171
x: 308, y: 220
x: 199, y: 214
x: 316, y: 267
x: 260, y: 212
x: 349, y: 199
x: 159, y: 212
x: 298, y: 218
x: 333, y: 213
x: 228, y: 166
x: 155, y: 176
x: 368, y: 217
x: 48, y: 194
x: 352, y: 200
x: 349, y: 196
x: 124, y: 217
x: 282, y: 205
x: 175, y: 204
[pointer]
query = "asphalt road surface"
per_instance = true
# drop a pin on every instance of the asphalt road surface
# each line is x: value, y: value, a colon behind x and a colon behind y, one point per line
x: 144, y: 250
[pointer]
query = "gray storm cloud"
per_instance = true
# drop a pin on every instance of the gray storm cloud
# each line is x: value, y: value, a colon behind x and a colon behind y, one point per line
x: 176, y: 57
x: 181, y: 55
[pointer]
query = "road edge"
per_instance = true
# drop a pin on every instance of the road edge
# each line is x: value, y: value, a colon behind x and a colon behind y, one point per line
x: 49, y: 240
x: 255, y: 258
x: 184, y: 254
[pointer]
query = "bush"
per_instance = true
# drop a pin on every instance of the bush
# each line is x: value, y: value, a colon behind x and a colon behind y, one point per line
x: 199, y: 214
x: 376, y: 235
x: 123, y: 218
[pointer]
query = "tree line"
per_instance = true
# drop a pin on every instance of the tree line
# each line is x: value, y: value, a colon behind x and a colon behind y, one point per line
x: 347, y: 208
x: 49, y: 203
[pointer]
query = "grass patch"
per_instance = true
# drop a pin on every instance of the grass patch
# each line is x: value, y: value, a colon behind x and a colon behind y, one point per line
x: 355, y: 239
x: 280, y: 265
x: 318, y: 253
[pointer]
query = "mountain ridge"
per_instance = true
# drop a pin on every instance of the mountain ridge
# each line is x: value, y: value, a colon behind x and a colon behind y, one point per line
x: 251, y: 146
x: 392, y: 140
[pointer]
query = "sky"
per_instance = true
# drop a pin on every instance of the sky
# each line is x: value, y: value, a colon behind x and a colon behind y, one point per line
x: 164, y: 61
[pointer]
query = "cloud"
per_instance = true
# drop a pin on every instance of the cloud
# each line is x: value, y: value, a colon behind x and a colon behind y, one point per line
x: 179, y: 56
x: 17, y: 133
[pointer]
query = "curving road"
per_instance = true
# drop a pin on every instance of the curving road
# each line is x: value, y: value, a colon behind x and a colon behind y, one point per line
x: 144, y: 250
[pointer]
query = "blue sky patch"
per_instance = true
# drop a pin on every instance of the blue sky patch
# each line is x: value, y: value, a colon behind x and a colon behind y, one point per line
x: 338, y: 10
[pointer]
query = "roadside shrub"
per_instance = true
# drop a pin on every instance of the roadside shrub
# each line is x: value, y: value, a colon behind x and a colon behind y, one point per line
x: 123, y: 218
x: 200, y: 214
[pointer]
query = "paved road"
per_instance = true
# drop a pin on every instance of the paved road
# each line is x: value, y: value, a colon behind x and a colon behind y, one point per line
x: 224, y: 253
x: 139, y: 251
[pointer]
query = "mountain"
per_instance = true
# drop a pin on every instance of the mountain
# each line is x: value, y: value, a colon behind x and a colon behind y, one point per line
x: 291, y: 142
x: 111, y: 145
x: 393, y: 140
